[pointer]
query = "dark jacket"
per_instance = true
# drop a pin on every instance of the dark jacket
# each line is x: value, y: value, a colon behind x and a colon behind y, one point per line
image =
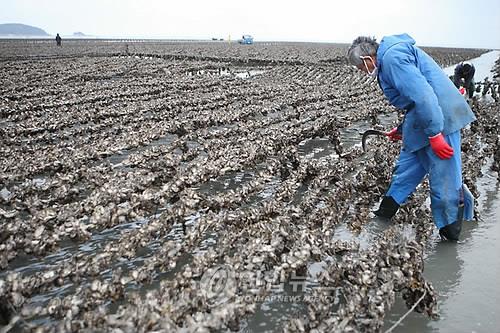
x: 465, y: 72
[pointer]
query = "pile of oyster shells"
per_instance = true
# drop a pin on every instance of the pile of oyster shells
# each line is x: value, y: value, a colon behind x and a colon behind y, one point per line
x: 128, y: 177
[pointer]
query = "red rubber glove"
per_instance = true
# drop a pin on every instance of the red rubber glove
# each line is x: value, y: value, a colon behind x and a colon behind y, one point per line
x: 393, y: 134
x: 440, y: 147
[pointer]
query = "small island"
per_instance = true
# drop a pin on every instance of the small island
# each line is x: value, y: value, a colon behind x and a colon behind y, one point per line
x: 21, y: 30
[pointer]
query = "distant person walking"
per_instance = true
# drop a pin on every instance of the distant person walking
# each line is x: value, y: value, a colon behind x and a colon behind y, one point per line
x: 58, y: 40
x: 464, y: 77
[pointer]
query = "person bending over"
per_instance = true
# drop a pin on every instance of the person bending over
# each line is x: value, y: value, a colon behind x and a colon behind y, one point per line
x: 434, y: 114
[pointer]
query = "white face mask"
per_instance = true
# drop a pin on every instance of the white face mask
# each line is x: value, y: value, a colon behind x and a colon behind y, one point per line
x: 374, y: 72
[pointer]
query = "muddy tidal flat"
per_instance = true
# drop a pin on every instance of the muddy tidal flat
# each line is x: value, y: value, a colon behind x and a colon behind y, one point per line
x: 161, y: 186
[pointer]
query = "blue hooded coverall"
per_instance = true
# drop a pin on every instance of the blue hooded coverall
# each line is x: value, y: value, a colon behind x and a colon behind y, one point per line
x: 411, y: 80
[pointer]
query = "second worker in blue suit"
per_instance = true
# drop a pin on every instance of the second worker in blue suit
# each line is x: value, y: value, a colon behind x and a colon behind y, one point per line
x: 434, y: 114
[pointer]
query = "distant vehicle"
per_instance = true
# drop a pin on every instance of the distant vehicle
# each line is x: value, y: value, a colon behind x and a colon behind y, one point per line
x: 246, y: 39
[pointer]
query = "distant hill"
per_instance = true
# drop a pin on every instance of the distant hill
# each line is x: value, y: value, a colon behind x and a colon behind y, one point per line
x: 18, y: 29
x: 79, y: 34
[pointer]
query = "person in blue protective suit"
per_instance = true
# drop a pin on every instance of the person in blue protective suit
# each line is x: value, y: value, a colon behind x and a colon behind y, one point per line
x: 434, y: 114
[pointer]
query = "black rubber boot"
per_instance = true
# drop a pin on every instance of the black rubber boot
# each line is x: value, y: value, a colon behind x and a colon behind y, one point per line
x: 388, y: 208
x: 452, y: 231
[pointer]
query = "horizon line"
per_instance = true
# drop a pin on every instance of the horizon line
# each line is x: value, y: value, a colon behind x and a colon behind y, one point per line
x: 188, y: 39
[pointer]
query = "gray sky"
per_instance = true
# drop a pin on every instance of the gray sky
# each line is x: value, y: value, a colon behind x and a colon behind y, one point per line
x: 459, y: 23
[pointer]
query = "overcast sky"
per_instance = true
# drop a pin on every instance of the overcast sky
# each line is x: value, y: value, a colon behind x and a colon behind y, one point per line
x: 460, y: 23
